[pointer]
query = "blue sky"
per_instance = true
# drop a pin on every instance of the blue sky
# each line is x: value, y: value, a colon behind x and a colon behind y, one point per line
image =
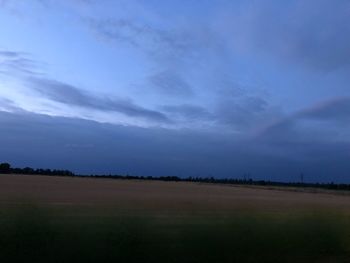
x: 184, y: 88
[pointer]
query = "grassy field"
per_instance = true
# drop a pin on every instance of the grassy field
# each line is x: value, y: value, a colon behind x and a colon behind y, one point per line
x: 59, y: 219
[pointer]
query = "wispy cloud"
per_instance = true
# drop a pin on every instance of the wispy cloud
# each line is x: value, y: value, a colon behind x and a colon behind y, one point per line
x: 171, y: 84
x: 335, y: 109
x: 14, y: 63
x: 244, y: 112
x: 8, y: 105
x: 188, y: 112
x: 327, y: 121
x: 314, y: 34
x: 72, y: 96
x: 28, y: 73
x: 154, y: 41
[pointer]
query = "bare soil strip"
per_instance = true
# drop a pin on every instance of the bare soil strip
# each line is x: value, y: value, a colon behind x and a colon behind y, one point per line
x: 161, y: 197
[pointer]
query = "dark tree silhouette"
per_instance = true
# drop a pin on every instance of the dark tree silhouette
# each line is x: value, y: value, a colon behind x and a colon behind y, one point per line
x: 5, y: 168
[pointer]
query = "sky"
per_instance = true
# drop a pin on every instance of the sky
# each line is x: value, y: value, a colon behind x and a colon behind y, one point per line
x: 203, y: 88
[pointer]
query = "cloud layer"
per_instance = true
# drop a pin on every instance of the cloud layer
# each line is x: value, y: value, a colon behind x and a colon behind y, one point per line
x: 90, y: 147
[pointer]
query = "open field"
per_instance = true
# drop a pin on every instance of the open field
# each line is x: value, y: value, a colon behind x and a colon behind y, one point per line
x: 64, y: 219
x: 161, y: 197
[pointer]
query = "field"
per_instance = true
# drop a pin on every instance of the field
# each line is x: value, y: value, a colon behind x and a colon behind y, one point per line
x: 65, y: 219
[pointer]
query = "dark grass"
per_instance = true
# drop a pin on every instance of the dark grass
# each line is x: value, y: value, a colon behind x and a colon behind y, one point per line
x: 32, y: 234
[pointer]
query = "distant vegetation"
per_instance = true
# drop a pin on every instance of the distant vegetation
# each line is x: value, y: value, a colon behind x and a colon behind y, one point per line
x: 5, y: 168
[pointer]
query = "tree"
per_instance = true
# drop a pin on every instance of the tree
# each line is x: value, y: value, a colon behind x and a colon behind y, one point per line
x: 28, y: 170
x: 5, y: 168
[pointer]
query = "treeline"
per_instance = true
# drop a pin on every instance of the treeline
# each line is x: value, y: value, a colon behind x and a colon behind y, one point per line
x: 6, y: 168
x: 232, y: 181
x: 330, y: 186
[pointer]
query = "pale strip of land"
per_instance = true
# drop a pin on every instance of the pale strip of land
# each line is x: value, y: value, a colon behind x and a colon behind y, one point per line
x: 161, y: 197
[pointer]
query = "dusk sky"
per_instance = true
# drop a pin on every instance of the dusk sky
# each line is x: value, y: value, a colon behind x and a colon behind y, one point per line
x: 185, y: 88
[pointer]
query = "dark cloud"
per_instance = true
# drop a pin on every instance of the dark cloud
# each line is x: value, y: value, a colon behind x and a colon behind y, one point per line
x: 325, y: 121
x: 336, y: 109
x: 171, y: 84
x: 242, y: 112
x: 239, y: 114
x: 316, y: 34
x: 73, y: 96
x: 28, y: 139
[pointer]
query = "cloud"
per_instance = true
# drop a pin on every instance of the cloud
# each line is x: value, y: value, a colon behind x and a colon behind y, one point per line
x: 335, y: 109
x: 243, y: 112
x: 73, y: 96
x: 188, y: 112
x: 324, y: 121
x: 10, y: 54
x: 171, y: 84
x: 8, y: 105
x: 315, y: 34
x: 26, y: 72
x: 13, y: 62
x: 179, y: 42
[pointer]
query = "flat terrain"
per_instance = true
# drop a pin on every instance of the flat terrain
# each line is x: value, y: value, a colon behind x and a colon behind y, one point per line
x: 160, y: 197
x: 65, y: 219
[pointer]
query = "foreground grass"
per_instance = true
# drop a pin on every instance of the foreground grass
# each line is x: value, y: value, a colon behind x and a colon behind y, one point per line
x: 32, y: 234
